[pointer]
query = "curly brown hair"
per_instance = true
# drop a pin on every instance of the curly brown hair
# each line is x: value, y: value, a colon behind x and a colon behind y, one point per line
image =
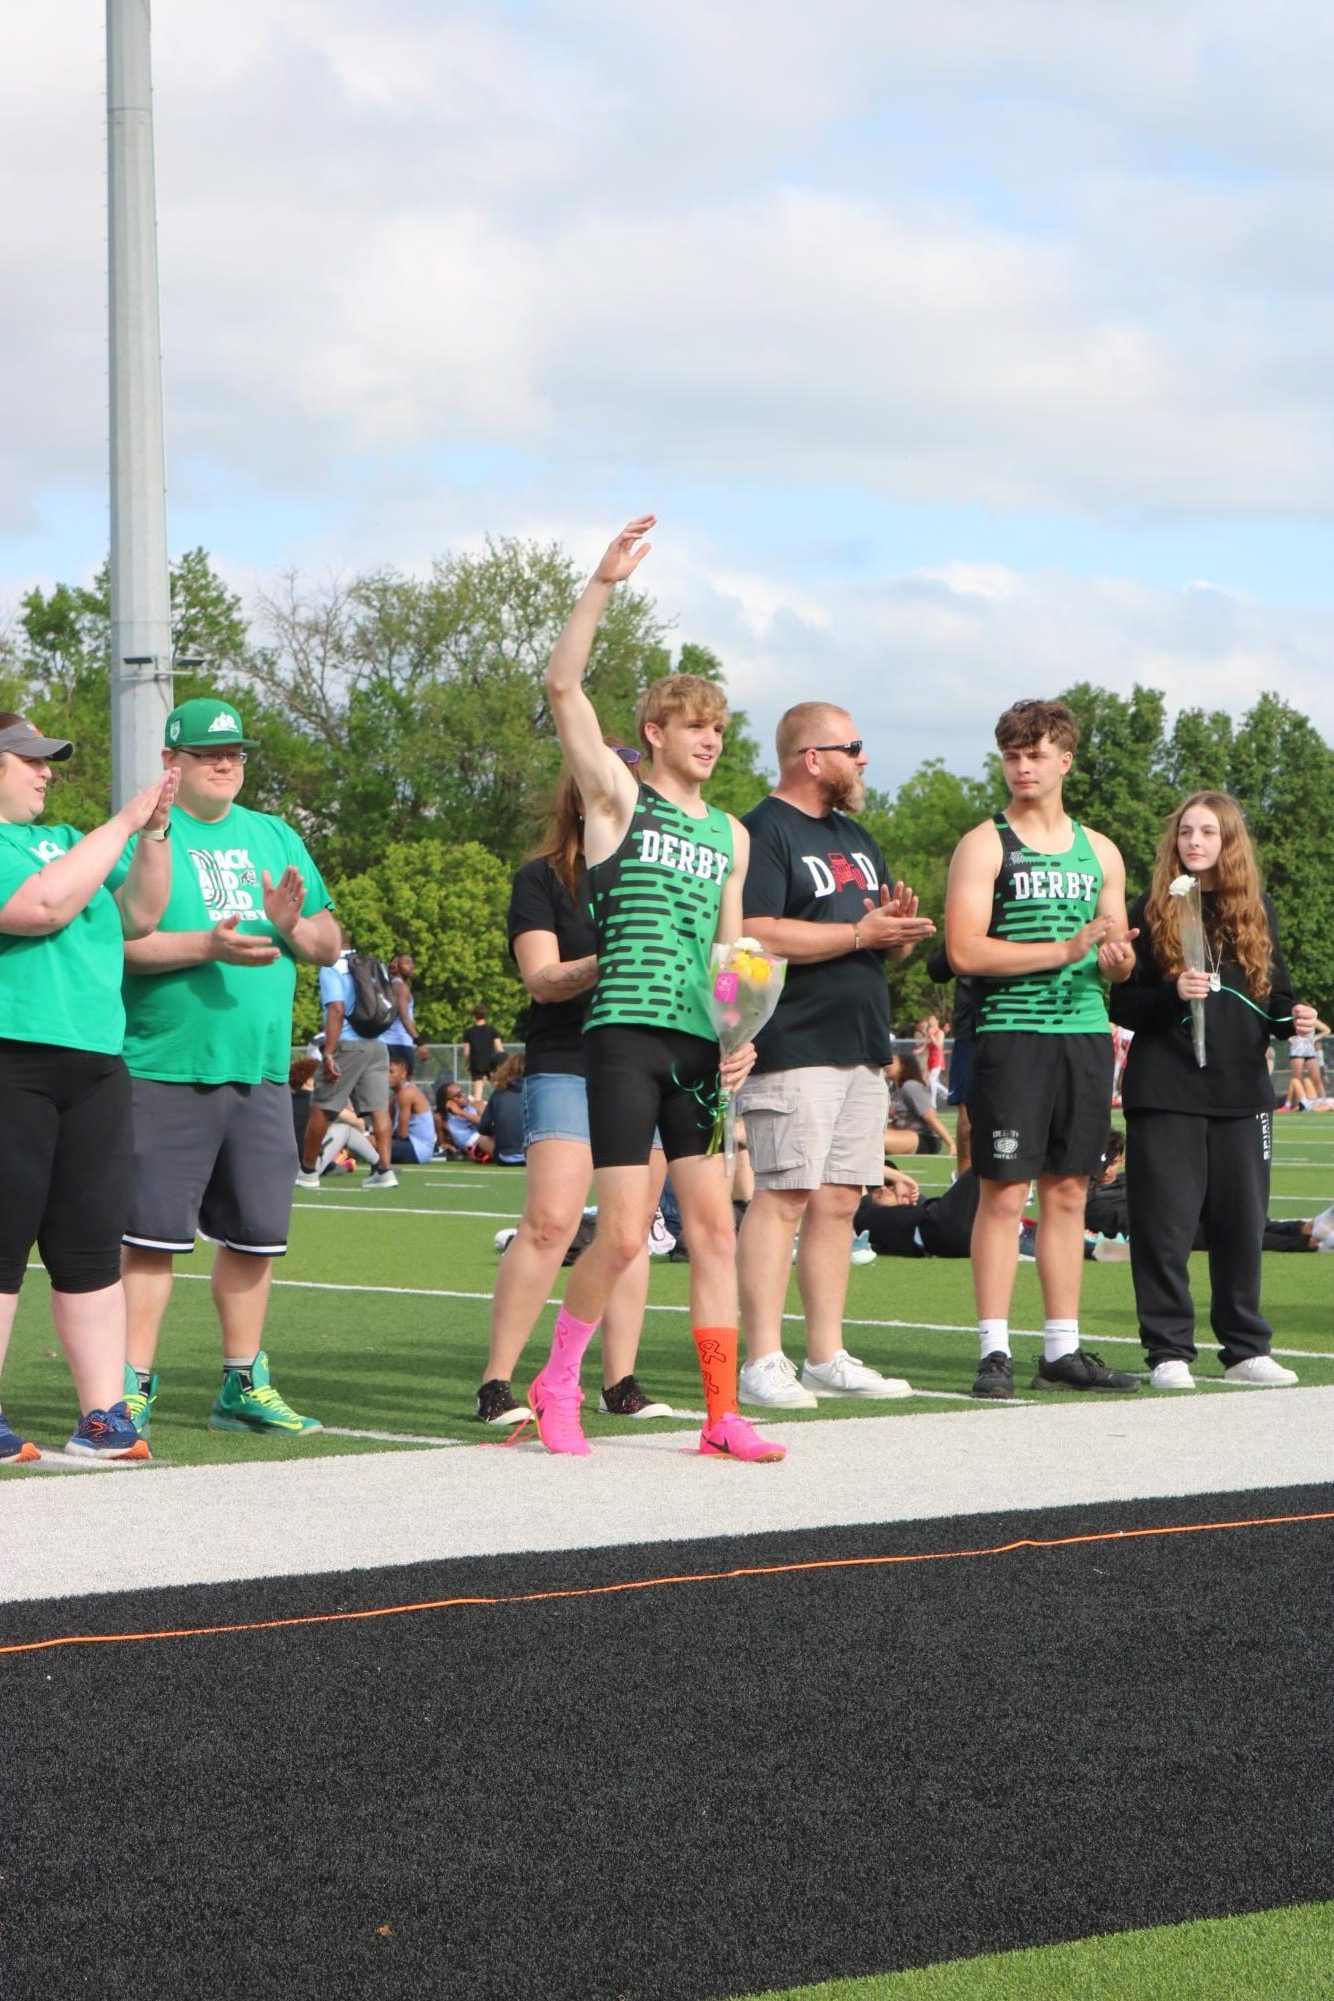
x: 1238, y: 920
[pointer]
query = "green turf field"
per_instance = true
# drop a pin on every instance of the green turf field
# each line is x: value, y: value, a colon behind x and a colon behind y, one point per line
x: 1268, y: 1956
x: 379, y: 1317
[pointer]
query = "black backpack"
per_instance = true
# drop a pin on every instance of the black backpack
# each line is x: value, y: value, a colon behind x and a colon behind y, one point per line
x: 374, y: 1003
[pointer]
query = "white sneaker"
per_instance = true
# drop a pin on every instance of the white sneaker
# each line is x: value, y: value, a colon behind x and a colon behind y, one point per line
x: 845, y: 1376
x: 503, y: 1239
x: 1171, y: 1376
x: 1111, y: 1251
x: 1260, y: 1369
x: 381, y: 1177
x: 1322, y: 1226
x: 862, y: 1254
x: 660, y: 1238
x: 307, y: 1180
x: 773, y: 1380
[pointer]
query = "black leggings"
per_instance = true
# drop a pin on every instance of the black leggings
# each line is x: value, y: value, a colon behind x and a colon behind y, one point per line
x: 66, y: 1164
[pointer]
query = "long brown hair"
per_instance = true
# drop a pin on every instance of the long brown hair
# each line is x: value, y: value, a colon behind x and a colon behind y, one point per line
x: 562, y: 845
x: 511, y: 1068
x: 1238, y: 917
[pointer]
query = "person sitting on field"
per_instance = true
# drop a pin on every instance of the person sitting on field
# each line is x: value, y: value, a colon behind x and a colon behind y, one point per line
x: 413, y: 1140
x: 913, y: 1123
x: 460, y: 1119
x: 500, y: 1133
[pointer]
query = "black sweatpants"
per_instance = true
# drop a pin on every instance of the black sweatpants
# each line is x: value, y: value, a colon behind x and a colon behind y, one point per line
x: 1184, y: 1172
x: 67, y: 1166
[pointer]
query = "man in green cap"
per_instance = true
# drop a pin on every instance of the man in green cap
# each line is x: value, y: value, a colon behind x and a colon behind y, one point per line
x: 208, y: 1004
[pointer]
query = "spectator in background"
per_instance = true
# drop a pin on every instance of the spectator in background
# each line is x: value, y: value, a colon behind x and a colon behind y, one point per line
x: 913, y: 1125
x: 461, y: 1119
x: 930, y: 1053
x: 940, y: 970
x: 485, y: 1049
x: 413, y: 1120
x: 423, y: 1068
x: 346, y: 1132
x: 402, y: 1032
x: 500, y: 1132
x: 354, y: 1070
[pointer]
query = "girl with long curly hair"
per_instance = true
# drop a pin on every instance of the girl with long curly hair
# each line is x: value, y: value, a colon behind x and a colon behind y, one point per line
x: 1199, y: 1139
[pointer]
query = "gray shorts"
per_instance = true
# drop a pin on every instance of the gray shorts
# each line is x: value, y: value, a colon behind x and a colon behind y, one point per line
x: 363, y: 1079
x: 214, y: 1160
x: 816, y: 1127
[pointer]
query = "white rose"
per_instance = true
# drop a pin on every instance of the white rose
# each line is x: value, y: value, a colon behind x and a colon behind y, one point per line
x: 1182, y: 886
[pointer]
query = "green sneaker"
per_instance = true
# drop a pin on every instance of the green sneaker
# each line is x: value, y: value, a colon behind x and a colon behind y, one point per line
x: 139, y: 1403
x: 257, y: 1408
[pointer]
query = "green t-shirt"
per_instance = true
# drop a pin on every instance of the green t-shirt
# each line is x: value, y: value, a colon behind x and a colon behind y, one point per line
x: 218, y: 1024
x: 655, y: 904
x: 63, y: 988
x: 1038, y: 897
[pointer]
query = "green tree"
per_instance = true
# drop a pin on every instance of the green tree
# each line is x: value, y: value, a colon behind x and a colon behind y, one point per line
x: 1119, y: 782
x: 1282, y: 772
x: 446, y: 904
x: 917, y: 833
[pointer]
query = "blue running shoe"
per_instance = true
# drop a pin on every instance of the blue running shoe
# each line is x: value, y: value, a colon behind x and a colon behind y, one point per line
x: 15, y: 1451
x: 108, y: 1434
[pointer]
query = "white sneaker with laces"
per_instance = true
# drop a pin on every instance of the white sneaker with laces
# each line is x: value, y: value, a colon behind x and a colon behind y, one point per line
x: 773, y: 1380
x: 381, y: 1177
x: 862, y: 1253
x: 1171, y: 1376
x: 844, y: 1376
x: 1322, y: 1226
x: 1262, y: 1370
x: 305, y: 1180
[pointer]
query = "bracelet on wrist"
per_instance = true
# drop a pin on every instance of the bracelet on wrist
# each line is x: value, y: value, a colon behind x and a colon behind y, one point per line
x: 856, y: 937
x: 155, y: 833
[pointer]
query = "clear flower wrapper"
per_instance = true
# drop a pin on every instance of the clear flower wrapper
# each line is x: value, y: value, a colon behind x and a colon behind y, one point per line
x: 745, y: 982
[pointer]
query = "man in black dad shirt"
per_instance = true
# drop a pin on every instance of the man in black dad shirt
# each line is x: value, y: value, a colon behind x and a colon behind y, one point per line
x: 815, y: 1105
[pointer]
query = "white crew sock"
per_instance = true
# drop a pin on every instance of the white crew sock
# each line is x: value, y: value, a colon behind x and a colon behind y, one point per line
x: 993, y: 1335
x: 1059, y: 1337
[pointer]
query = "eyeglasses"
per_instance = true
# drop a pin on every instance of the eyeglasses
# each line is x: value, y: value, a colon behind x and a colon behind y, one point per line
x: 853, y: 749
x: 214, y: 756
x: 626, y: 754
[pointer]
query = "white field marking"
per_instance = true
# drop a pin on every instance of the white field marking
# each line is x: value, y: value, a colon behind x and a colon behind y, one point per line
x: 440, y: 1215
x: 388, y: 1437
x: 55, y: 1460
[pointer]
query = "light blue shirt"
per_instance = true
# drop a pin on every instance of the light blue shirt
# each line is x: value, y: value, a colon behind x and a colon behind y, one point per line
x: 336, y: 985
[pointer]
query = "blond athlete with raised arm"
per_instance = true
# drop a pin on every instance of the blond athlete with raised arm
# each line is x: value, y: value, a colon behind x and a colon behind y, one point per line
x: 665, y: 873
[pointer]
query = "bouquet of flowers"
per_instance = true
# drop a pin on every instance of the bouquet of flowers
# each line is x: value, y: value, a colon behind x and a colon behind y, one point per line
x: 744, y: 984
x: 1187, y: 889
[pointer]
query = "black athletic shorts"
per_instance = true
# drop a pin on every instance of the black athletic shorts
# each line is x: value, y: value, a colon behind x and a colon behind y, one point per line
x: 1039, y: 1104
x: 961, y: 1071
x: 640, y: 1079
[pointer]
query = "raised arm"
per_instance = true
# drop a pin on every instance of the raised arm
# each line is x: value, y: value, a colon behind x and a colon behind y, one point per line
x: 968, y: 902
x: 604, y: 782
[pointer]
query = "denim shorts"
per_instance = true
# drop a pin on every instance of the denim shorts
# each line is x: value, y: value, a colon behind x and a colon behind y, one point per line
x: 555, y: 1106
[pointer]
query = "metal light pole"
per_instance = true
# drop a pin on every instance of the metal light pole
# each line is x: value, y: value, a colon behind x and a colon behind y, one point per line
x: 140, y: 577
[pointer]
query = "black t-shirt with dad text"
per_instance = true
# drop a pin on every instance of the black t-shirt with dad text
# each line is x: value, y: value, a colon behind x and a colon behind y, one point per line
x: 821, y: 871
x: 539, y: 901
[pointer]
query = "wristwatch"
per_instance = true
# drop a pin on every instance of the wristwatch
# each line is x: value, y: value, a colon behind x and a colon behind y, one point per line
x: 155, y: 833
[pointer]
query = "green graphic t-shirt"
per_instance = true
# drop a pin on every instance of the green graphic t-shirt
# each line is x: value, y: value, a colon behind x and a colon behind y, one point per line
x: 217, y: 1024
x: 1038, y: 897
x: 655, y: 903
x: 64, y: 988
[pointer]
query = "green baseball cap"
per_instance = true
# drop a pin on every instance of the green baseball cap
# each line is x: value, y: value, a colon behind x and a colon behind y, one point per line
x: 206, y: 724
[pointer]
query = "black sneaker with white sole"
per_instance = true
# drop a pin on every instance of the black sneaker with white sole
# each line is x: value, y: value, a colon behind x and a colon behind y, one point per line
x: 995, y: 1375
x: 628, y: 1398
x: 1082, y: 1371
x: 496, y: 1404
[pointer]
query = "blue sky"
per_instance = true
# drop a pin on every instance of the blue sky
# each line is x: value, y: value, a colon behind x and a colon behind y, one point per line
x: 961, y: 352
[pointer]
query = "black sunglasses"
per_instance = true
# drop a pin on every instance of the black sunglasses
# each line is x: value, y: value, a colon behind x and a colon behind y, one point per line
x: 853, y: 749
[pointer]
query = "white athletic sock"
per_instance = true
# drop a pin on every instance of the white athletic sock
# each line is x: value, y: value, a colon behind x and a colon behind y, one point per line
x: 1059, y: 1337
x: 993, y: 1335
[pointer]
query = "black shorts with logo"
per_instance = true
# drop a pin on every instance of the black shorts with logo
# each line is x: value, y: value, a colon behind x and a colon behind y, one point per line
x: 1039, y: 1104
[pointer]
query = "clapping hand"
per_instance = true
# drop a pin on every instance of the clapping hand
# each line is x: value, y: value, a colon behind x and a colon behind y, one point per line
x: 1116, y: 956
x: 240, y: 948
x: 894, y: 920
x: 283, y: 899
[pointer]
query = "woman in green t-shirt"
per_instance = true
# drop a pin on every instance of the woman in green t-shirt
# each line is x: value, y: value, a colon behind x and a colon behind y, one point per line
x: 66, y: 1164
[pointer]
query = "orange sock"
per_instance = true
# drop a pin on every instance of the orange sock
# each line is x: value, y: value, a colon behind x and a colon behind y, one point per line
x: 717, y: 1348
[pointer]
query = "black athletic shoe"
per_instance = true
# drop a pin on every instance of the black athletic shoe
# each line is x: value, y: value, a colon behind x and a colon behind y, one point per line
x: 995, y: 1375
x: 496, y: 1405
x: 629, y: 1399
x: 1082, y: 1371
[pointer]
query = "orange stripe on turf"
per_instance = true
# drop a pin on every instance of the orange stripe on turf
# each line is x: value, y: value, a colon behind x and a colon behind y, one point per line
x: 655, y: 1583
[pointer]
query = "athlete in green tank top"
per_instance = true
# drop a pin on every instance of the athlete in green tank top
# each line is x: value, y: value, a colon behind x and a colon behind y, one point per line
x: 1041, y: 897
x: 665, y: 875
x: 1036, y: 912
x: 656, y: 903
